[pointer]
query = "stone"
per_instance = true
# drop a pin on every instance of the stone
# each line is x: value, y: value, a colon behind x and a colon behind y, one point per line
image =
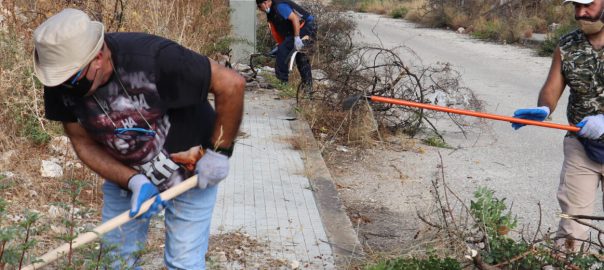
x: 221, y: 256
x: 342, y: 148
x: 265, y: 86
x: 318, y: 74
x: 73, y: 164
x: 58, y: 229
x: 461, y: 30
x: 56, y: 212
x: 51, y: 169
x: 6, y: 159
x: 553, y: 27
x: 252, y: 85
x: 241, y: 67
x: 260, y: 79
x: 61, y: 146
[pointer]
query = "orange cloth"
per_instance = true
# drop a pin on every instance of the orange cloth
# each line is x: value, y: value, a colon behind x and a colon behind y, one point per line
x: 189, y: 158
x: 278, y: 38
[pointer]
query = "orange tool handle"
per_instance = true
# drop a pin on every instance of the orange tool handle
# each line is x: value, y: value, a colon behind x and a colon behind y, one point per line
x: 472, y: 113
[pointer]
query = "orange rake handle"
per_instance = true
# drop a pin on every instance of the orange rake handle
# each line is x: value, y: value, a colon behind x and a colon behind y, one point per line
x: 472, y: 113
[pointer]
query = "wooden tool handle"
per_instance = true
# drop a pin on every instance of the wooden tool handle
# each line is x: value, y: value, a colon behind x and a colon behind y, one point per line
x: 111, y: 224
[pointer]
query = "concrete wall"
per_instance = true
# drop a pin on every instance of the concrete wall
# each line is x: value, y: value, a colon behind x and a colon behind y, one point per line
x: 243, y: 20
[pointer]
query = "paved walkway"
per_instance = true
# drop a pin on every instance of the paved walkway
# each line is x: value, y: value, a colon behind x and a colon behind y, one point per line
x: 268, y: 194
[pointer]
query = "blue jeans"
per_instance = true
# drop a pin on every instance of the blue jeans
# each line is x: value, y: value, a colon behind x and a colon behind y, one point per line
x: 188, y: 219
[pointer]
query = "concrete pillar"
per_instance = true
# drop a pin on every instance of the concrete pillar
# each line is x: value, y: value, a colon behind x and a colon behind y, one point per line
x: 243, y: 21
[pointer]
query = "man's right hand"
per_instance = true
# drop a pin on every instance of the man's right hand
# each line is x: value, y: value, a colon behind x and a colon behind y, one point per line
x: 212, y: 168
x: 142, y: 190
x: 592, y: 127
x: 535, y: 113
x: 298, y: 44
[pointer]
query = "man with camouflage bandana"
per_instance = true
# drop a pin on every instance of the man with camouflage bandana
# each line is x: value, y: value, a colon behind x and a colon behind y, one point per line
x: 578, y: 62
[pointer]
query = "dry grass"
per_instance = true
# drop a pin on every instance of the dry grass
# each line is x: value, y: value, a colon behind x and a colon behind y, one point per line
x: 414, y: 7
x: 508, y: 24
x: 376, y: 6
x: 297, y: 142
x: 357, y: 127
x: 237, y: 250
x: 456, y: 17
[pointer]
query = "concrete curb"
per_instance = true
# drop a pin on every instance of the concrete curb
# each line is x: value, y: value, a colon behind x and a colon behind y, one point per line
x: 342, y: 237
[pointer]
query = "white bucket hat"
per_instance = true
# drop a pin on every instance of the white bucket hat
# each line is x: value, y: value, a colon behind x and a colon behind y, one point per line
x: 584, y: 2
x: 64, y: 44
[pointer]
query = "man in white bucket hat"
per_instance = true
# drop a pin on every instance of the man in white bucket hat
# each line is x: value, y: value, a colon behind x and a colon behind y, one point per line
x: 578, y: 62
x: 136, y: 110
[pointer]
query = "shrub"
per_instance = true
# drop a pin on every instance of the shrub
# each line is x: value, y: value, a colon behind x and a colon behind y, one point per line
x: 548, y: 47
x: 430, y: 263
x: 399, y: 13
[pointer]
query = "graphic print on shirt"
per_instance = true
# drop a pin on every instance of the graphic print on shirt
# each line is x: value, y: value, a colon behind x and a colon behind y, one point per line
x: 114, y: 108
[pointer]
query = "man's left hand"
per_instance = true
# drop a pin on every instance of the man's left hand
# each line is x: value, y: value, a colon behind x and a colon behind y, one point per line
x: 211, y: 169
x: 142, y: 190
x: 298, y: 43
x: 592, y: 127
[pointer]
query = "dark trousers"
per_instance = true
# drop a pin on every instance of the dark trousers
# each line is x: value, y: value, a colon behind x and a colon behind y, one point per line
x: 302, y: 60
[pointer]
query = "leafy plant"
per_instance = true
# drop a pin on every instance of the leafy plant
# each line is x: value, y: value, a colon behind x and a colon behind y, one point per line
x: 436, y: 141
x: 490, y: 30
x: 490, y: 212
x: 430, y: 263
x: 491, y: 215
x: 548, y: 47
x: 31, y: 128
x: 286, y: 90
x: 17, y: 239
x: 399, y: 13
x: 5, y: 184
x: 73, y: 209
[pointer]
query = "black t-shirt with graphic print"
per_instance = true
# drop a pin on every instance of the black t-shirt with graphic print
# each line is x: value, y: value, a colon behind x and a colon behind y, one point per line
x: 155, y: 81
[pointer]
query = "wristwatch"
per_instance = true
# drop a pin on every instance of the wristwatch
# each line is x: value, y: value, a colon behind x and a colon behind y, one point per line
x: 227, y: 151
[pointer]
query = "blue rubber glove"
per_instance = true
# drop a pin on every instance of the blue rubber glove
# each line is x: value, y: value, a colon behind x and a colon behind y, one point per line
x: 592, y: 127
x: 298, y: 43
x: 211, y: 169
x: 535, y: 113
x: 142, y: 190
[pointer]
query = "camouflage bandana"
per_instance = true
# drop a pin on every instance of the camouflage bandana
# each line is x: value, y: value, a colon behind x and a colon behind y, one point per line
x: 583, y: 71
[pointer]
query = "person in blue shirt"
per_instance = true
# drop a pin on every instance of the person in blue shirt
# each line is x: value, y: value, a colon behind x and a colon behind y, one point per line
x: 293, y: 28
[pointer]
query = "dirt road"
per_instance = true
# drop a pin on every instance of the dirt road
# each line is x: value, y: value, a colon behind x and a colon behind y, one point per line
x: 522, y: 166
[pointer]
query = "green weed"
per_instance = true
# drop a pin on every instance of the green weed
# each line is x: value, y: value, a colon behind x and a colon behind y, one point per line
x: 492, y: 216
x: 436, y: 141
x: 548, y: 47
x: 431, y: 263
x: 34, y: 131
x: 490, y: 30
x: 399, y: 13
x: 16, y: 240
x: 286, y: 90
